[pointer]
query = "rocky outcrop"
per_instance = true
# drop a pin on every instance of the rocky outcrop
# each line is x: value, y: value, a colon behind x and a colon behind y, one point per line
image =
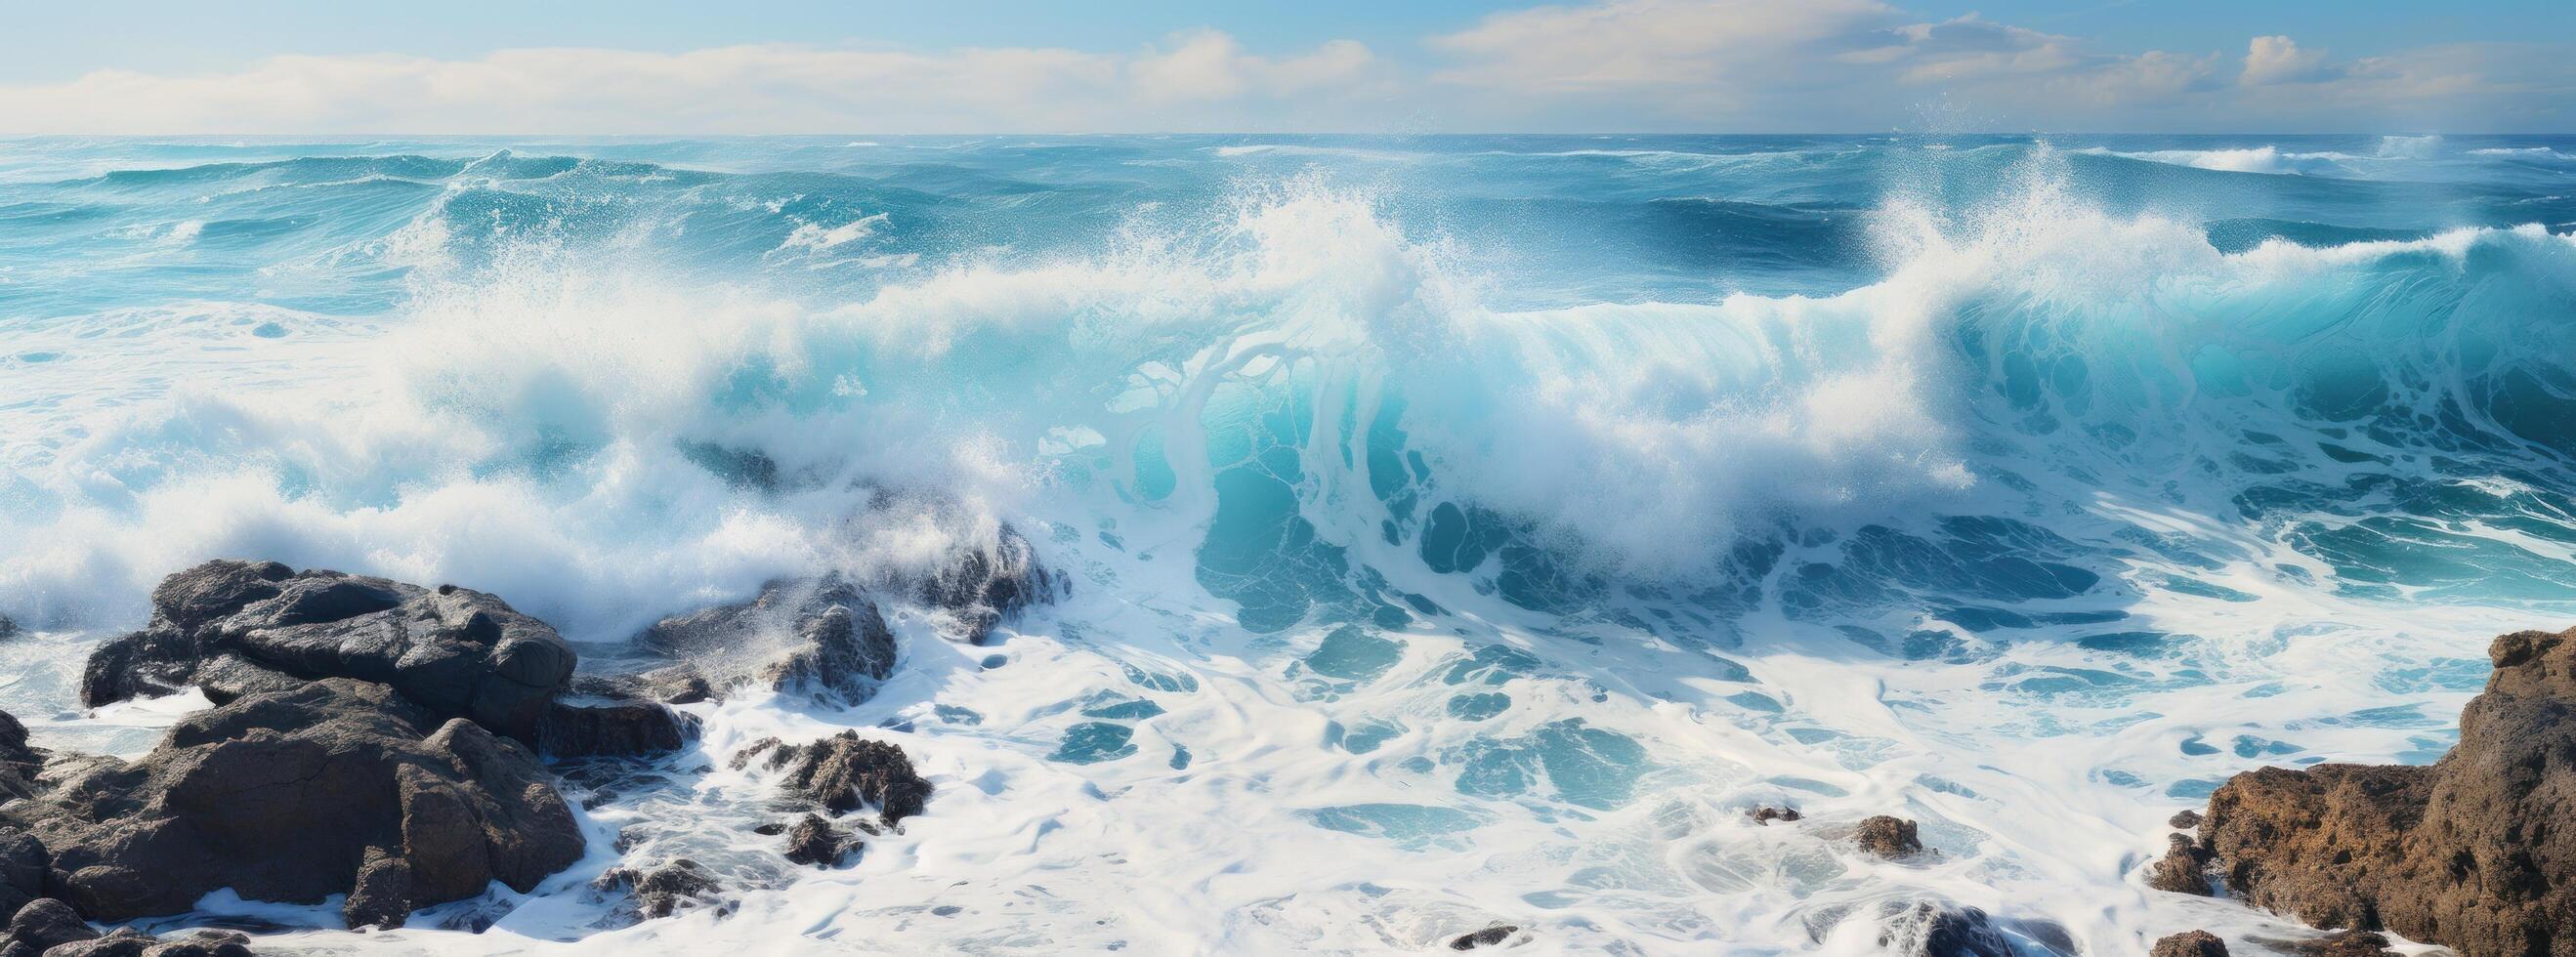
x: 613, y: 729
x: 2472, y: 852
x: 334, y: 786
x: 844, y: 773
x: 236, y: 628
x: 2183, y: 870
x: 1888, y: 837
x: 821, y: 638
x: 2190, y: 943
x: 985, y: 587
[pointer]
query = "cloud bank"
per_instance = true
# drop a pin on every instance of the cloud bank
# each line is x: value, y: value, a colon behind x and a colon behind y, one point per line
x: 1643, y: 65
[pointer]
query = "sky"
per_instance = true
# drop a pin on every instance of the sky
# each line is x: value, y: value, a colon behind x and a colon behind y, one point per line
x: 1391, y: 67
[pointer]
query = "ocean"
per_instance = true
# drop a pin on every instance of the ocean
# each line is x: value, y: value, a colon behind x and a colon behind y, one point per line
x: 1457, y: 530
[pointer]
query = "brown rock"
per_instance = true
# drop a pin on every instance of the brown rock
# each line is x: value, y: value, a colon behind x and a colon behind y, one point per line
x: 2184, y: 820
x: 2182, y: 870
x: 845, y: 772
x: 817, y: 842
x: 1888, y: 837
x: 2190, y: 943
x: 1766, y: 815
x: 2471, y: 852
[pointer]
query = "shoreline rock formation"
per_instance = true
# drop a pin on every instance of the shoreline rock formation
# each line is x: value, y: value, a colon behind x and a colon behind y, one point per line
x: 2474, y: 852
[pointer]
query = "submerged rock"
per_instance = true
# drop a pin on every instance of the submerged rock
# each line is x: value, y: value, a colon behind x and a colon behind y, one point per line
x: 2190, y: 943
x: 1888, y: 837
x: 238, y: 628
x: 333, y: 787
x: 1485, y: 938
x: 2472, y: 852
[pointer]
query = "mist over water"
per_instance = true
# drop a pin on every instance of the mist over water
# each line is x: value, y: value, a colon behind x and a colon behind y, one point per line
x: 1460, y: 530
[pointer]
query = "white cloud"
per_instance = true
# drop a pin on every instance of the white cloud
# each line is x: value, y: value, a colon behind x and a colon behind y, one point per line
x: 2278, y: 59
x: 737, y: 89
x: 1626, y: 44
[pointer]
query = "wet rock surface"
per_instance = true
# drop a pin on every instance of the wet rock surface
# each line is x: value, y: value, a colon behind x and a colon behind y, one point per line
x: 1933, y: 928
x: 2471, y: 852
x: 237, y: 628
x: 1488, y: 937
x: 985, y: 587
x: 1888, y: 837
x: 284, y: 796
x: 1766, y: 815
x: 820, y: 843
x: 837, y: 646
x: 2190, y: 943
x: 665, y: 889
x: 844, y: 773
x: 613, y: 729
x: 2183, y: 870
x: 50, y: 927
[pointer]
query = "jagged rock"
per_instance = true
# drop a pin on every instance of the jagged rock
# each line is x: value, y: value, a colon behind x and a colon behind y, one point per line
x: 43, y: 924
x: 2471, y: 852
x: 838, y: 645
x: 242, y: 628
x: 1766, y: 815
x: 1485, y: 938
x: 2183, y: 869
x: 2184, y: 820
x: 281, y: 796
x: 845, y: 772
x: 1888, y: 837
x: 1927, y: 928
x: 815, y: 841
x: 664, y: 890
x: 2190, y: 943
x: 985, y: 586
x: 613, y: 729
x: 675, y: 684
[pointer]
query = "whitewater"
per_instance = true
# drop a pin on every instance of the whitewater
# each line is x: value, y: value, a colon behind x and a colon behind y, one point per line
x: 1454, y: 531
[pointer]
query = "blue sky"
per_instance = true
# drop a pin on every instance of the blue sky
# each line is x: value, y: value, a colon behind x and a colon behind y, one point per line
x: 1322, y: 65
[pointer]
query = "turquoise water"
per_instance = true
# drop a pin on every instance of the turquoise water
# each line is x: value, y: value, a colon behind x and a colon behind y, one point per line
x: 1491, y: 518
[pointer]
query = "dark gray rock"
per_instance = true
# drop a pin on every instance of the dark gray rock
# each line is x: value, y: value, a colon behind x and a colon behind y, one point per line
x: 613, y: 729
x: 664, y: 890
x: 22, y: 869
x: 2184, y: 820
x: 1487, y: 937
x: 202, y: 943
x: 817, y: 842
x: 1766, y: 815
x: 983, y: 587
x: 1931, y: 928
x: 380, y: 896
x: 43, y: 924
x: 845, y: 772
x: 121, y: 942
x: 8, y: 628
x: 283, y: 796
x: 241, y: 628
x: 822, y: 638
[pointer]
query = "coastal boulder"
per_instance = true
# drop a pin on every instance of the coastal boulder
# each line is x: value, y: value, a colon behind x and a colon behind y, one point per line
x: 819, y: 637
x: 622, y: 729
x: 335, y: 786
x: 2190, y: 943
x: 2473, y: 852
x: 844, y: 773
x: 1888, y: 837
x: 238, y: 628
